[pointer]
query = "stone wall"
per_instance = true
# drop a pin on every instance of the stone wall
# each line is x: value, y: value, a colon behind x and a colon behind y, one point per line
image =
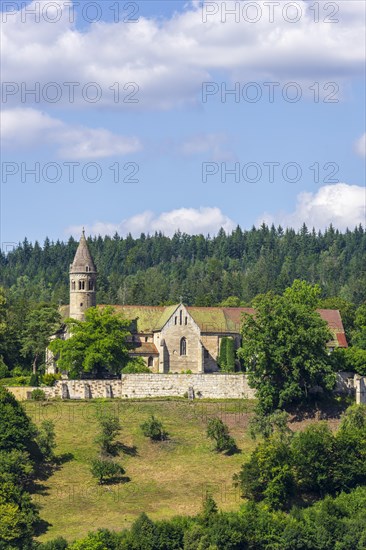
x: 345, y: 382
x: 21, y: 392
x: 84, y: 389
x: 214, y: 386
x: 360, y: 389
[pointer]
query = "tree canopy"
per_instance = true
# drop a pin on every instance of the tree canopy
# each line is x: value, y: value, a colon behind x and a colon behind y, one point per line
x: 98, y: 344
x: 284, y: 347
x: 40, y: 323
x: 155, y: 269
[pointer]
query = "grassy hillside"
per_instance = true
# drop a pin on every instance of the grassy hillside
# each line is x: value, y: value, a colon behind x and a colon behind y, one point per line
x: 162, y: 479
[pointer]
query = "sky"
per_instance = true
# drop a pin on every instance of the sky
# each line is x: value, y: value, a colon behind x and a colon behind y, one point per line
x: 146, y: 116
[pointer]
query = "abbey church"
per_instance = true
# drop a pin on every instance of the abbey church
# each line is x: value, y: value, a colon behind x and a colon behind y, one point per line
x: 170, y: 339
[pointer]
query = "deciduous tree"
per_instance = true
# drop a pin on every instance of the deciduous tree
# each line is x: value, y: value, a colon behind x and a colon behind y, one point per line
x: 97, y: 344
x: 284, y: 347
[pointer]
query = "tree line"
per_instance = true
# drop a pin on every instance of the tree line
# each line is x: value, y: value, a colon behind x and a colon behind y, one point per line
x: 156, y: 269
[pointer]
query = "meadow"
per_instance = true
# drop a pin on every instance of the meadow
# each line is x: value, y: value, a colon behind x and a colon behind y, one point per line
x: 162, y: 479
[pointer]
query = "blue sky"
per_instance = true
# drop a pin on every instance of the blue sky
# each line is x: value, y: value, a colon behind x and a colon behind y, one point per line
x: 198, y: 162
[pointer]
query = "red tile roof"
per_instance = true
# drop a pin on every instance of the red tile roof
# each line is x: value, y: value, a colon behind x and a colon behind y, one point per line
x: 145, y: 348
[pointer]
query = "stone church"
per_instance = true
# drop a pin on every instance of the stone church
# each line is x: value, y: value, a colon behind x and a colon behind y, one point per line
x: 170, y: 339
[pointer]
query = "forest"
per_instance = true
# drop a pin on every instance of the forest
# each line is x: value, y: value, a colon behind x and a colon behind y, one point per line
x: 203, y: 270
x: 228, y: 269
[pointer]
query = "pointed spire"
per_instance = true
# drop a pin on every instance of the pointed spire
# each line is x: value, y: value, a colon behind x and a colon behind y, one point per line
x: 83, y: 261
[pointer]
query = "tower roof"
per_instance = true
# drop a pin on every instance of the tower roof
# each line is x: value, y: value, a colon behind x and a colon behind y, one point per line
x: 83, y: 260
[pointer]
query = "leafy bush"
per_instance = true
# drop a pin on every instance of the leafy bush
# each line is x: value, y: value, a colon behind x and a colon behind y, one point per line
x: 50, y: 379
x: 101, y: 540
x: 154, y: 429
x: 16, y: 429
x: 110, y: 427
x: 227, y: 355
x: 219, y: 433
x: 104, y: 470
x: 136, y: 365
x: 308, y: 464
x: 18, y: 454
x: 266, y: 425
x: 46, y: 439
x: 56, y: 544
x: 18, y: 371
x: 15, y: 467
x: 15, y: 381
x: 38, y: 395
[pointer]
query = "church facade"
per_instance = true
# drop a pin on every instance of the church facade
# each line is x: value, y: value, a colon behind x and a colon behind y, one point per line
x: 170, y: 339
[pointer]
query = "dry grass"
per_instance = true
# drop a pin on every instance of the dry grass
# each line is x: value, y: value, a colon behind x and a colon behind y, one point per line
x: 164, y: 479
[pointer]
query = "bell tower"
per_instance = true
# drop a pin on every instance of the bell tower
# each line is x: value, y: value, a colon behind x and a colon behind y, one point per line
x: 83, y: 275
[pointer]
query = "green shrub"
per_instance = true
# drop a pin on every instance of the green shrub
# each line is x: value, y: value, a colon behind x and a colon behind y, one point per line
x: 17, y: 371
x: 104, y: 470
x: 136, y: 365
x: 56, y: 544
x: 154, y: 429
x: 110, y: 427
x: 219, y: 433
x: 15, y: 381
x: 46, y: 439
x: 50, y: 379
x: 227, y: 355
x: 38, y: 395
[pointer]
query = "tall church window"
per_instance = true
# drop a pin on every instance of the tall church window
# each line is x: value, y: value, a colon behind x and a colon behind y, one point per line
x: 183, y: 346
x: 150, y: 362
x: 186, y: 321
x: 175, y: 320
x: 180, y: 317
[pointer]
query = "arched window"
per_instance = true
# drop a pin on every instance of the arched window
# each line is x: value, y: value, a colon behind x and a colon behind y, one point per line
x: 81, y: 285
x: 91, y: 285
x: 72, y: 285
x: 87, y: 268
x: 183, y: 346
x: 150, y: 362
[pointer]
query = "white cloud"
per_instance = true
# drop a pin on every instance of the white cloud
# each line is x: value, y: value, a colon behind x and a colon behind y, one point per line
x: 26, y: 127
x: 360, y: 146
x: 341, y: 204
x: 188, y: 220
x: 170, y: 58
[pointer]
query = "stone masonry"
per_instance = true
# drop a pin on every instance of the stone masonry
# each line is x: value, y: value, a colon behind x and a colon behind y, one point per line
x: 214, y: 386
